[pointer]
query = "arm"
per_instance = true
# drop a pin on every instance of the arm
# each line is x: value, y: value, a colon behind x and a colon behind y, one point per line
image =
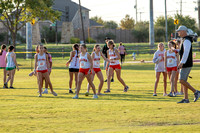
x: 70, y: 59
x: 118, y: 55
x: 35, y: 63
x: 47, y: 62
x: 165, y: 59
x: 177, y: 56
x: 50, y: 60
x: 155, y: 58
x: 90, y: 60
x: 187, y: 46
x: 104, y: 57
x: 15, y: 61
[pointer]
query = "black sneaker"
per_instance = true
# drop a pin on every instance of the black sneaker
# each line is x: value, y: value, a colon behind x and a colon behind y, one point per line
x: 70, y: 91
x: 5, y: 85
x: 112, y: 80
x: 126, y: 89
x: 105, y: 80
x: 196, y: 95
x: 12, y: 87
x: 107, y: 91
x: 170, y: 94
x: 184, y: 101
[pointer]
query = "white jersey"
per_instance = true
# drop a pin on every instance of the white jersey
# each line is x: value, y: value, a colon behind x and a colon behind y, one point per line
x: 158, y: 59
x: 113, y: 55
x: 171, y: 59
x: 10, y: 61
x: 96, y: 60
x: 84, y: 62
x: 75, y: 61
x: 41, y: 62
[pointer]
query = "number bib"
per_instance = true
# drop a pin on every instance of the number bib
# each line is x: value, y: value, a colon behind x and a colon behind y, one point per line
x: 83, y: 64
x: 96, y: 64
x: 41, y: 64
x: 170, y: 62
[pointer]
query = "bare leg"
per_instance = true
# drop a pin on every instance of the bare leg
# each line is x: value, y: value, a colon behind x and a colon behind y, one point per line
x: 9, y: 77
x: 100, y: 76
x: 70, y: 79
x: 110, y: 72
x: 4, y: 76
x: 165, y: 82
x: 175, y: 81
x: 12, y: 73
x: 91, y: 83
x: 40, y: 78
x: 187, y: 85
x: 47, y: 79
x: 81, y: 76
x: 118, y: 72
x: 185, y: 92
x: 76, y: 78
x: 172, y: 80
x: 157, y: 81
x: 46, y: 84
x: 92, y: 78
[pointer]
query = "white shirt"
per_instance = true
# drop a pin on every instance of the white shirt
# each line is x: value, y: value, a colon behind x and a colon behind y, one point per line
x: 84, y: 62
x: 187, y: 46
x: 75, y: 61
x: 96, y: 60
x: 158, y: 59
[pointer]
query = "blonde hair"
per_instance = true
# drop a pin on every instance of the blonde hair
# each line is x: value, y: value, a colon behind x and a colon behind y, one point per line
x: 160, y: 44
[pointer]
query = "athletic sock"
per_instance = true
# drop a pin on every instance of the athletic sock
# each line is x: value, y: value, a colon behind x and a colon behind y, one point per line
x: 70, y: 88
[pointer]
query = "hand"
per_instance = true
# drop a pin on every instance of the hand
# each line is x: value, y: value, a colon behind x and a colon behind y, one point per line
x: 67, y: 64
x: 180, y: 65
x: 108, y: 60
x: 17, y: 68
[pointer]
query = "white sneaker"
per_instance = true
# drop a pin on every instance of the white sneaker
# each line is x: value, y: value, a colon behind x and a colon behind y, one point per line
x: 95, y: 96
x: 45, y: 91
x: 40, y: 95
x: 55, y: 94
x: 165, y: 94
x: 39, y: 91
x: 75, y: 97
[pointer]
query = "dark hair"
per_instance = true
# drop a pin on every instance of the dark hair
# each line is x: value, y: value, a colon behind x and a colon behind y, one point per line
x: 120, y: 43
x: 10, y: 48
x: 95, y: 46
x: 3, y: 46
x: 111, y: 42
x: 76, y: 47
x: 46, y: 49
x: 173, y: 44
x: 178, y: 41
x: 84, y: 46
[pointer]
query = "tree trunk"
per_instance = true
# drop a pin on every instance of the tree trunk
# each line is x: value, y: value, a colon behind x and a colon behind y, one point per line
x: 14, y: 35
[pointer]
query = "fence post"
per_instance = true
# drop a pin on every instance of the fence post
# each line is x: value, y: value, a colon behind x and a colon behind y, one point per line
x: 24, y: 53
x: 63, y: 52
x: 199, y: 46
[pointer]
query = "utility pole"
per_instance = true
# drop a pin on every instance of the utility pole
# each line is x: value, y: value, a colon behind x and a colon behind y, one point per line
x: 181, y: 7
x: 82, y: 21
x: 136, y: 9
x: 166, y: 37
x: 151, y: 25
x: 28, y: 40
x: 199, y: 12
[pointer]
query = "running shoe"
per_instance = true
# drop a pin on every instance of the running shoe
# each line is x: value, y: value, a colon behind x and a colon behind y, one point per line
x: 40, y: 95
x: 154, y: 94
x: 170, y: 94
x: 45, y: 91
x: 165, y: 94
x: 70, y: 91
x: 105, y: 80
x: 175, y: 94
x: 100, y: 94
x: 31, y: 74
x: 126, y: 89
x: 39, y: 91
x: 184, y: 101
x: 95, y: 96
x: 181, y: 93
x: 196, y: 95
x: 5, y: 85
x: 112, y: 80
x: 107, y: 91
x: 87, y: 94
x: 12, y: 87
x: 75, y: 97
x: 54, y: 93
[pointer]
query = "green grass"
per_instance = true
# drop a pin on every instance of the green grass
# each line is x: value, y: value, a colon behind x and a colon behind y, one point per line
x: 135, y: 111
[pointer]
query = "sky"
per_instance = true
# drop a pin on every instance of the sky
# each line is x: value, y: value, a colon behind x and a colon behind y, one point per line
x: 117, y: 9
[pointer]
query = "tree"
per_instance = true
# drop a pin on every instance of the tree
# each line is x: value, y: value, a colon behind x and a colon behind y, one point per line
x: 127, y: 22
x: 141, y: 31
x: 16, y: 13
x: 110, y: 24
x: 98, y: 20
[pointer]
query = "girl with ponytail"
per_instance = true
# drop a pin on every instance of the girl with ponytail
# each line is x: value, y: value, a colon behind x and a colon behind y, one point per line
x: 3, y: 62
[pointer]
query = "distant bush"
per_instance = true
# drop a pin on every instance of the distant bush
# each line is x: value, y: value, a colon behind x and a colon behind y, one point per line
x: 49, y: 35
x: 102, y: 36
x: 74, y: 40
x: 2, y: 37
x: 90, y: 40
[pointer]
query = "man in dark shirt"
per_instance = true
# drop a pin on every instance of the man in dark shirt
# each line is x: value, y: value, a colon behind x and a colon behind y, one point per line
x: 186, y: 63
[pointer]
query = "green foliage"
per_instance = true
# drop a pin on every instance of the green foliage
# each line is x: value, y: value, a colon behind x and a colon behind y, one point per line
x: 90, y: 40
x: 98, y: 20
x: 141, y: 31
x: 2, y: 37
x: 22, y: 11
x: 21, y: 39
x: 50, y: 35
x: 127, y: 23
x: 159, y: 33
x: 110, y: 24
x: 74, y: 40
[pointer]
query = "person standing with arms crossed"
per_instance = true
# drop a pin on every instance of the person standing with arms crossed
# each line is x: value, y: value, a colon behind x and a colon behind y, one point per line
x: 186, y: 63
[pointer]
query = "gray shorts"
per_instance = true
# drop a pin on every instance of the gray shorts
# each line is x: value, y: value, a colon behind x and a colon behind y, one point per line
x: 184, y: 73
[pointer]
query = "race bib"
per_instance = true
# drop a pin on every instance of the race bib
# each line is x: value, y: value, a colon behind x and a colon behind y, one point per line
x: 82, y: 64
x: 170, y: 61
x: 41, y: 63
x: 96, y: 64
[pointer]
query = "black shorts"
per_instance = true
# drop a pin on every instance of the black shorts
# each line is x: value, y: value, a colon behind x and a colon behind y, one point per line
x: 73, y: 70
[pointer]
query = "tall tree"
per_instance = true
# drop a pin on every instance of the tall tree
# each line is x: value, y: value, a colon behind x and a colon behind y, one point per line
x: 110, y: 24
x: 16, y: 13
x: 127, y: 22
x: 98, y: 20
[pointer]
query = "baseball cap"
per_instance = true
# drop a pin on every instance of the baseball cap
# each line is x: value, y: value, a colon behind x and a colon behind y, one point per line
x: 182, y: 27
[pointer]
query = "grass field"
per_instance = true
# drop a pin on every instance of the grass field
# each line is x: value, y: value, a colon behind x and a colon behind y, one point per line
x: 135, y: 111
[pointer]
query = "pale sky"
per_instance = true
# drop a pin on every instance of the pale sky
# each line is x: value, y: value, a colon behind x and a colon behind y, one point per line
x: 117, y: 9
